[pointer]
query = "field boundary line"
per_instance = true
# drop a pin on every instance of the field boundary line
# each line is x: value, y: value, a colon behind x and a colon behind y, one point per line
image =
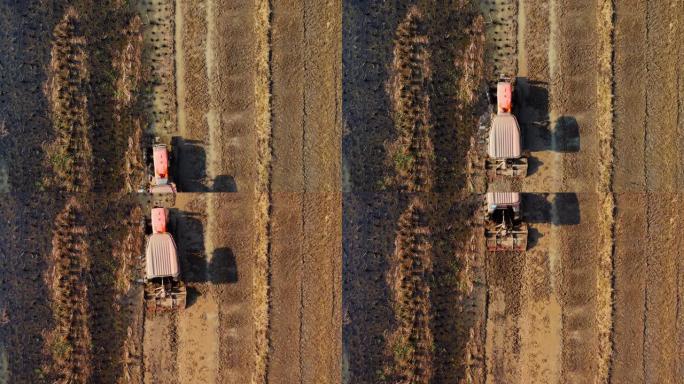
x: 605, y: 124
x: 263, y: 193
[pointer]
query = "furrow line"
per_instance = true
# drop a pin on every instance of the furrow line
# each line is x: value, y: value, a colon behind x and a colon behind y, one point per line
x: 604, y: 122
x: 264, y: 118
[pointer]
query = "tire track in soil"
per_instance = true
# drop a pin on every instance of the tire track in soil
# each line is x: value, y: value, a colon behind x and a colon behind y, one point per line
x: 287, y: 186
x: 321, y: 290
x: 160, y: 346
x: 541, y: 315
x: 305, y: 193
x: 629, y: 183
x: 663, y: 199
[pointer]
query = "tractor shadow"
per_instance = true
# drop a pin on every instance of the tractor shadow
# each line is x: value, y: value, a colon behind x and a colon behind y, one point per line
x: 532, y: 111
x: 551, y: 208
x: 190, y: 162
x: 533, y: 236
x: 197, y: 269
x: 188, y: 231
x: 557, y: 209
x: 223, y: 267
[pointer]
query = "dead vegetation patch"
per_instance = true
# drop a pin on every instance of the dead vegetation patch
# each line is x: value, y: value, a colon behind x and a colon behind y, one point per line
x: 94, y: 88
x: 434, y: 87
x: 411, y: 346
x: 412, y: 152
x: 69, y: 343
x: 70, y: 155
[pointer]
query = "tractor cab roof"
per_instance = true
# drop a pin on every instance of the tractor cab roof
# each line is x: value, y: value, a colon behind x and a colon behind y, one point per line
x: 161, y: 257
x: 504, y: 137
x: 163, y: 188
x: 503, y: 199
x: 160, y: 156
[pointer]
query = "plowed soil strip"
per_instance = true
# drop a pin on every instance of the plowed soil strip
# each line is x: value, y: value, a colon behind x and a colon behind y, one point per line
x: 304, y: 188
x: 287, y: 235
x: 541, y: 313
x: 628, y: 182
x: 573, y: 105
x: 235, y: 147
x: 661, y: 152
x: 321, y: 291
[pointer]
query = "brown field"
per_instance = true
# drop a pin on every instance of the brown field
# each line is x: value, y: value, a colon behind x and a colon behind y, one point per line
x: 595, y: 297
x: 248, y: 93
x: 329, y: 157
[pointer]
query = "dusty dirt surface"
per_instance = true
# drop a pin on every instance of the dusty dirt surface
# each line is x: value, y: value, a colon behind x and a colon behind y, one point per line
x: 305, y: 336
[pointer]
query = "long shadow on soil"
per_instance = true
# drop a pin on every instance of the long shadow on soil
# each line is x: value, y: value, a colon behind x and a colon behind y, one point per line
x: 197, y: 268
x: 532, y: 111
x: 190, y: 167
x: 540, y: 208
x: 547, y: 208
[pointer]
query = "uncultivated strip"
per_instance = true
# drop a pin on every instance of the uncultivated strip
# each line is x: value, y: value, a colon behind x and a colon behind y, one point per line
x: 604, y: 123
x: 70, y: 155
x: 410, y: 347
x: 413, y: 151
x: 70, y: 341
x: 262, y: 192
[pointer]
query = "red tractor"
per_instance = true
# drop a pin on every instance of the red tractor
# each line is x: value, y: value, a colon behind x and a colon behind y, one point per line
x: 505, y: 229
x: 159, y: 190
x: 164, y: 289
x: 505, y: 155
